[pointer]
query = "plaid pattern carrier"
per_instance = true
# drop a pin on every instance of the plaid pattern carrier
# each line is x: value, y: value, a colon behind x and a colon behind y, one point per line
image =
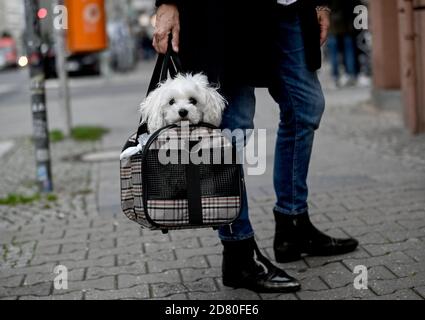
x: 184, y: 177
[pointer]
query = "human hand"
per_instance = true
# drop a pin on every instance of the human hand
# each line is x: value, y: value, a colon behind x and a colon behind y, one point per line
x: 324, y: 18
x: 167, y: 21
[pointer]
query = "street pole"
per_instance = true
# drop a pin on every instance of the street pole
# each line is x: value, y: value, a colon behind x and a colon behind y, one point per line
x: 62, y: 72
x: 38, y: 97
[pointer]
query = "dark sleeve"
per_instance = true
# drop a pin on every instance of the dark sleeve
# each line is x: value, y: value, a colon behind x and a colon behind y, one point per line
x: 322, y: 2
x: 159, y: 2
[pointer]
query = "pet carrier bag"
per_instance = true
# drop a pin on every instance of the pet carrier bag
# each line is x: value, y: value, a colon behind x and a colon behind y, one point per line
x: 201, y: 184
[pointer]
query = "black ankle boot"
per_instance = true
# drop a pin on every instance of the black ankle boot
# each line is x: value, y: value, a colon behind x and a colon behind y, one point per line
x: 242, y: 270
x: 296, y: 235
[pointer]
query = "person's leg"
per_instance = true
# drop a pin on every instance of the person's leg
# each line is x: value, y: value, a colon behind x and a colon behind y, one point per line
x: 239, y: 114
x: 299, y: 95
x: 333, y: 49
x: 241, y: 255
x: 350, y: 55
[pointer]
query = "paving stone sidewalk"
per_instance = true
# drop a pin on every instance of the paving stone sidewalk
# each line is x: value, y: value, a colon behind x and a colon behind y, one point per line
x: 367, y: 181
x: 74, y: 183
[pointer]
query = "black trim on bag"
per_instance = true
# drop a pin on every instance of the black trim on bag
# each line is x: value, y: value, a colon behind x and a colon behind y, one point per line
x: 194, y: 197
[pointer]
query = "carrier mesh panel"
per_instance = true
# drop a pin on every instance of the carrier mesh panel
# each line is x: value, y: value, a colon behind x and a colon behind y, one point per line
x: 169, y: 181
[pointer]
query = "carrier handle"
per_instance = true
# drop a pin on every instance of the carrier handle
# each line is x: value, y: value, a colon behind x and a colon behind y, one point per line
x: 166, y: 63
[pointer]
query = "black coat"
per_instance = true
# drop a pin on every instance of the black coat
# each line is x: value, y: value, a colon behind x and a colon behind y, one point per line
x: 232, y: 40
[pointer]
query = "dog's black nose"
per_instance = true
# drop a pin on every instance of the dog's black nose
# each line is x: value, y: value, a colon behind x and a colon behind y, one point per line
x: 183, y: 113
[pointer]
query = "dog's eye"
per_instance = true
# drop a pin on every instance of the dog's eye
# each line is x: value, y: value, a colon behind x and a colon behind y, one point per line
x: 193, y: 101
x: 172, y: 101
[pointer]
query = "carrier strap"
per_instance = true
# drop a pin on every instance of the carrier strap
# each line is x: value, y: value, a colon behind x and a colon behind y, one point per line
x: 194, y: 197
x: 166, y: 63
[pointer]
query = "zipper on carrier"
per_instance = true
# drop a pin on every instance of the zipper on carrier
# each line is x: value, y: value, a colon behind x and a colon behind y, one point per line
x: 230, y: 228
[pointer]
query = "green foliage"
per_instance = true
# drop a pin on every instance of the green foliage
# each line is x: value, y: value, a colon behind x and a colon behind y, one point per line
x: 56, y: 136
x: 14, y: 199
x: 52, y: 197
x: 88, y: 133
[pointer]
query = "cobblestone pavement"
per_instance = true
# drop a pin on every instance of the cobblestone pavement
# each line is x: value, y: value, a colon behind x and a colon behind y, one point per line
x: 74, y: 181
x: 367, y: 181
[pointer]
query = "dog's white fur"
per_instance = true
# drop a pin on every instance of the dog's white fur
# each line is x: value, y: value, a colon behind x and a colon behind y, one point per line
x: 189, y: 92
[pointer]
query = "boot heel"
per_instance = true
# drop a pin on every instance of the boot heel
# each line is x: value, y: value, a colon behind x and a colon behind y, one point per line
x: 287, y: 256
x: 244, y: 266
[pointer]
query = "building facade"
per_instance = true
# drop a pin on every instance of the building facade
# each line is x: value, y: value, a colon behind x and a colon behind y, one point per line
x: 398, y: 28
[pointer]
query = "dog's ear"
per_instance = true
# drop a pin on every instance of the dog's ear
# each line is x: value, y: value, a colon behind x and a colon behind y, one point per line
x: 200, y: 79
x: 151, y: 110
x: 214, y: 101
x: 214, y: 106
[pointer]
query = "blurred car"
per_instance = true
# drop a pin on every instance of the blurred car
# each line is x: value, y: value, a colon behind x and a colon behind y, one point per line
x: 84, y: 64
x: 8, y: 53
x: 76, y: 65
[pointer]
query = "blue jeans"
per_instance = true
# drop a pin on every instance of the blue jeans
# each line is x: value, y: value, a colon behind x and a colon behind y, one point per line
x: 348, y: 53
x: 299, y: 95
x: 239, y: 114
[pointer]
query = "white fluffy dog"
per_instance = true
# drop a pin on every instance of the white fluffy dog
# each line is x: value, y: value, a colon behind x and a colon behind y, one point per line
x: 187, y: 97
